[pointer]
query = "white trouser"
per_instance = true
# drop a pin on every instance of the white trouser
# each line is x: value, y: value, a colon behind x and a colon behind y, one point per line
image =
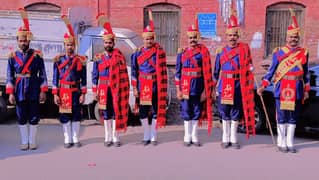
x: 67, y: 132
x: 75, y: 131
x: 290, y: 135
x: 108, y: 130
x: 153, y: 130
x: 33, y: 134
x: 146, y: 129
x: 24, y: 134
x: 194, y: 131
x: 115, y: 136
x: 281, y: 138
x: 187, y: 131
x: 233, y: 131
x: 226, y: 131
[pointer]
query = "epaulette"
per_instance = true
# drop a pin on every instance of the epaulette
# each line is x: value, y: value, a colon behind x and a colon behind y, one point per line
x: 219, y: 50
x: 11, y: 54
x: 39, y: 53
x: 180, y: 50
x: 137, y: 49
x: 97, y: 57
x: 83, y: 60
x: 275, y: 49
x: 285, y: 49
x: 57, y: 58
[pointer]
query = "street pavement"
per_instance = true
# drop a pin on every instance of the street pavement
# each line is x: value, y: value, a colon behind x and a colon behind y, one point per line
x: 169, y: 160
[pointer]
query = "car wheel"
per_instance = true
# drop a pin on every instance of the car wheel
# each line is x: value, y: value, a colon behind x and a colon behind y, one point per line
x: 259, y: 121
x: 3, y: 109
x: 97, y: 114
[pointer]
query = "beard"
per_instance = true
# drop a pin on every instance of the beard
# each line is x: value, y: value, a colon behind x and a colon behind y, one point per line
x: 24, y: 47
x: 108, y: 48
x: 70, y: 51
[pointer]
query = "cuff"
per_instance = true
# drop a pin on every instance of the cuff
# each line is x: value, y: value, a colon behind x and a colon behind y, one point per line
x: 214, y: 82
x: 44, y: 89
x: 55, y: 91
x: 9, y: 89
x: 83, y: 90
x: 265, y: 83
x: 177, y: 82
x: 307, y: 87
x: 94, y: 89
x: 134, y: 83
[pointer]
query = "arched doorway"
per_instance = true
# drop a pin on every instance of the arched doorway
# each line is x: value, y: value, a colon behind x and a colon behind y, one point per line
x: 167, y: 25
x: 277, y: 21
x: 43, y: 7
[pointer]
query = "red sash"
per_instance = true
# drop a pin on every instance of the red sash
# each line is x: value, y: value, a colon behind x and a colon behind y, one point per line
x: 146, y: 85
x: 105, y: 63
x: 228, y: 91
x: 187, y: 75
x: 287, y: 94
x: 186, y: 81
x: 146, y: 55
x: 66, y: 93
x: 228, y: 84
x: 26, y: 67
x: 228, y: 56
x: 103, y: 92
x: 66, y: 100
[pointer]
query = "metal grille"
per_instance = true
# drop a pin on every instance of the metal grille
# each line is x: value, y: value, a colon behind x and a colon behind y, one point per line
x: 167, y: 30
x: 277, y: 22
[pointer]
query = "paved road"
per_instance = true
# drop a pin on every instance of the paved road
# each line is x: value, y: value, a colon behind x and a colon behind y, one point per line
x: 169, y: 160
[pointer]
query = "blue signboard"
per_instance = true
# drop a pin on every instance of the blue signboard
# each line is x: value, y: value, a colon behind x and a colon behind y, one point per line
x: 207, y: 24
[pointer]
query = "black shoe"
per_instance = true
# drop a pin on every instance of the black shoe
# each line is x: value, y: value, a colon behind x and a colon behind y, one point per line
x: 198, y: 144
x: 225, y: 145
x: 154, y: 143
x: 291, y: 150
x: 282, y: 149
x: 145, y: 143
x: 78, y: 144
x: 67, y: 145
x: 187, y: 144
x: 117, y: 144
x: 108, y: 143
x: 235, y: 145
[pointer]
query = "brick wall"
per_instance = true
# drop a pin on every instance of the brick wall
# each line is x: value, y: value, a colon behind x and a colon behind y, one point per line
x: 129, y: 14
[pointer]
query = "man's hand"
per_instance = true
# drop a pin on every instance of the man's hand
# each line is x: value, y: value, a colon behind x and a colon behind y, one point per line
x: 12, y: 99
x: 57, y: 100
x: 213, y: 94
x: 306, y: 95
x: 42, y: 97
x: 82, y: 99
x: 179, y: 94
x: 203, y: 97
x: 135, y: 92
x: 96, y: 96
x: 260, y: 90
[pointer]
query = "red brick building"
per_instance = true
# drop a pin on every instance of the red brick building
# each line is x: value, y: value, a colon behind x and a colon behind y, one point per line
x: 263, y: 22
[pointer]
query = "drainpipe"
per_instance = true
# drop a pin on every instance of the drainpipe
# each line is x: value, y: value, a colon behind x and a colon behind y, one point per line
x: 109, y: 9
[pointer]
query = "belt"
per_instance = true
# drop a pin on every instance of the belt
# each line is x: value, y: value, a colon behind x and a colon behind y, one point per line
x: 104, y: 81
x: 194, y: 73
x: 292, y: 77
x: 148, y: 76
x: 231, y: 76
x: 70, y: 86
x: 23, y: 75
